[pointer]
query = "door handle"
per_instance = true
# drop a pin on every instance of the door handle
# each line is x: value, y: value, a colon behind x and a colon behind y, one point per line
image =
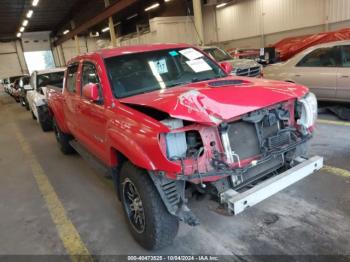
x: 297, y: 75
x: 345, y: 76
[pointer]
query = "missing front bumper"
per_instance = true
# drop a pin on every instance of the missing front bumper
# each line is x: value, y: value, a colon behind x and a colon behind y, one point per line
x: 238, y: 202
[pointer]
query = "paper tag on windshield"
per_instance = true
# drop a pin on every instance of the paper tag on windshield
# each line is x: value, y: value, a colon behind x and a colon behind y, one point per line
x: 161, y: 66
x: 191, y: 53
x: 198, y: 65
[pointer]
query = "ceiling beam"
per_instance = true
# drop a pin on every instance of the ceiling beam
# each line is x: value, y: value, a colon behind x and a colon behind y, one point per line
x: 107, y: 12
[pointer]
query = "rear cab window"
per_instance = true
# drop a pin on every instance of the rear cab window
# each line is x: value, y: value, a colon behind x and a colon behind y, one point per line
x: 71, y: 80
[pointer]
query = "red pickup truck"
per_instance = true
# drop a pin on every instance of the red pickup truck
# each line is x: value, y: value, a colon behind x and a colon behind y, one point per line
x: 166, y: 121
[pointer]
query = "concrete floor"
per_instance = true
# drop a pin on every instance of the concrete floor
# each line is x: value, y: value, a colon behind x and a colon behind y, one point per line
x: 311, y: 217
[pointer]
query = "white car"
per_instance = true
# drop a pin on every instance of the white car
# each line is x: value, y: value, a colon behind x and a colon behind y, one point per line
x: 40, y: 83
x: 324, y: 68
x: 241, y: 67
x: 8, y: 84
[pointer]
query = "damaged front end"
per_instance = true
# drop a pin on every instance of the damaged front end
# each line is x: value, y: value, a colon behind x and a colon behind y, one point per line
x: 233, y: 156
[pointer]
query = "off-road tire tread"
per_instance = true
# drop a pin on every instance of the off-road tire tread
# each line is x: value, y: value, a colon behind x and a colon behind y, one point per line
x: 163, y: 228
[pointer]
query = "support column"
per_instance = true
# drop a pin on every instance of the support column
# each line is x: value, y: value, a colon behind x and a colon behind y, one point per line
x: 198, y: 20
x: 76, y: 38
x: 111, y: 27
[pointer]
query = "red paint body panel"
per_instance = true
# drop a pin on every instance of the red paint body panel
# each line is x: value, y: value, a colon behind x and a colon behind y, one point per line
x: 198, y: 102
x: 116, y: 127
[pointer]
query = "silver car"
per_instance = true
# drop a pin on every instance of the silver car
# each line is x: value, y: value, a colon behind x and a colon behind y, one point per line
x: 241, y: 67
x: 324, y: 68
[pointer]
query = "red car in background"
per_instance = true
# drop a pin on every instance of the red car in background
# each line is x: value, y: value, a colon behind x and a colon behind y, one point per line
x: 166, y: 120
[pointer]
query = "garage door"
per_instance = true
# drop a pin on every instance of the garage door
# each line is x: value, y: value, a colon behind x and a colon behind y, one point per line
x: 9, y: 63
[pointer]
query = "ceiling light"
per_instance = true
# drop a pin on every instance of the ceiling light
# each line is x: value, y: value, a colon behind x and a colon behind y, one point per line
x: 105, y: 29
x: 152, y: 7
x: 35, y: 2
x: 21, y: 29
x: 167, y: 1
x: 117, y: 24
x: 25, y: 22
x: 29, y: 13
x: 19, y: 35
x: 131, y: 17
x: 66, y: 32
x: 221, y: 5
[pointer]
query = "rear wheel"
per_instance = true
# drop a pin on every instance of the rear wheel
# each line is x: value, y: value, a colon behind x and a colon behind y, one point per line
x: 151, y: 225
x: 63, y: 140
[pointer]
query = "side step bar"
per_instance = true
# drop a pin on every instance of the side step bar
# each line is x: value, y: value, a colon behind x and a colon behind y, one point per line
x: 238, y: 202
x: 88, y: 157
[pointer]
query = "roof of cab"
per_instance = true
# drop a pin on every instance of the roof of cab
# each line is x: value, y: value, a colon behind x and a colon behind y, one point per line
x: 132, y: 49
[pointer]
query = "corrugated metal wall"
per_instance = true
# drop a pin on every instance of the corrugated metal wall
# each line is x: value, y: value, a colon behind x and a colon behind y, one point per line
x: 250, y: 18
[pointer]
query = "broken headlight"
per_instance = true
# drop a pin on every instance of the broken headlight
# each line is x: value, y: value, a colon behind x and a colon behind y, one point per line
x: 307, y: 110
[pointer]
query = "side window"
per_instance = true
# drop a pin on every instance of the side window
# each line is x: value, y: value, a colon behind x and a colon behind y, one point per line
x: 89, y: 74
x: 72, y: 72
x: 322, y: 57
x: 346, y: 56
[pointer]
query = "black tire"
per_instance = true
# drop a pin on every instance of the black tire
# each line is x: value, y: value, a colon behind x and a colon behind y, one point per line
x: 27, y: 104
x: 21, y: 100
x: 45, y: 119
x: 63, y: 140
x: 159, y: 226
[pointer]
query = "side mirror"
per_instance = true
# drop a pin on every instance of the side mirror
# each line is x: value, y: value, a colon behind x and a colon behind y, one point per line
x: 227, y: 67
x: 90, y: 92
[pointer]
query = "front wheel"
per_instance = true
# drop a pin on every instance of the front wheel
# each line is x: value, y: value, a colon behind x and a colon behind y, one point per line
x: 44, y: 119
x: 63, y: 140
x: 151, y: 225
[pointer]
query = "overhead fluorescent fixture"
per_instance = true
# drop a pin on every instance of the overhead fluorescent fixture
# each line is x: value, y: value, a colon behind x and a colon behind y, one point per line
x: 19, y: 35
x: 66, y: 32
x: 221, y: 5
x: 131, y: 17
x: 105, y: 29
x: 35, y: 2
x: 25, y: 22
x: 152, y: 7
x: 30, y: 13
x: 21, y: 29
x: 94, y: 34
x: 167, y: 1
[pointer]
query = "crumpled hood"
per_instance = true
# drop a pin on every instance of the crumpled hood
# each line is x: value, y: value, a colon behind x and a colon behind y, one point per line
x: 202, y: 103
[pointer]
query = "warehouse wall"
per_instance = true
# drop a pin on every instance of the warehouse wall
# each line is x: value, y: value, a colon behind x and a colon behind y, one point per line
x: 256, y: 23
x: 11, y: 59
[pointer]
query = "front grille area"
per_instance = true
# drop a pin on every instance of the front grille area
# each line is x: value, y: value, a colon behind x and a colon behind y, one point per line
x: 251, y: 72
x: 259, y: 134
x: 243, y: 139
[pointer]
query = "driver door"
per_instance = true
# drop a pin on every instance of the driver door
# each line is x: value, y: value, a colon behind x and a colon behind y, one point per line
x: 92, y: 114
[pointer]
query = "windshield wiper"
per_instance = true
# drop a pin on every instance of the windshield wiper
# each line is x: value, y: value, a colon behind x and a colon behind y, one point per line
x: 194, y: 80
x: 177, y: 84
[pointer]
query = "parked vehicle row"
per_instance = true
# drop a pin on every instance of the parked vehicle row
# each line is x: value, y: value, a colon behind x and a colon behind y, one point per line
x: 31, y: 92
x: 324, y: 68
x: 166, y: 120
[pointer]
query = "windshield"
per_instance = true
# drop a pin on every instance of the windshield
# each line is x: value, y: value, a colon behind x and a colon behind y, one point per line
x: 145, y: 72
x: 53, y: 79
x: 218, y: 54
x: 14, y: 78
